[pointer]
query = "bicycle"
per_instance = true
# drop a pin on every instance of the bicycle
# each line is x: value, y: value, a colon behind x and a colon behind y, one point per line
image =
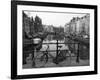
x: 42, y: 57
x: 59, y: 58
x: 61, y: 55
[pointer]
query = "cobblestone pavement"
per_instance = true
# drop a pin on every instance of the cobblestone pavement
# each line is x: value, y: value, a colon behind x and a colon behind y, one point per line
x: 68, y: 62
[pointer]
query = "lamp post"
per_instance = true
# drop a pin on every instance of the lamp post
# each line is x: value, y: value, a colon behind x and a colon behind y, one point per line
x: 36, y: 42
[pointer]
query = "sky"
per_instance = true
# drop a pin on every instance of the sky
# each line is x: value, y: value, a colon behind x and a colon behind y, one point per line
x: 56, y: 19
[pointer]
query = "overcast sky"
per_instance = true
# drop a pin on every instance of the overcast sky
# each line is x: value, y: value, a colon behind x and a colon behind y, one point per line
x: 56, y: 19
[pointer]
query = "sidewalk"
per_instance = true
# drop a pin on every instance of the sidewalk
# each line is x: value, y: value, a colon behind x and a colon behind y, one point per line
x: 65, y: 63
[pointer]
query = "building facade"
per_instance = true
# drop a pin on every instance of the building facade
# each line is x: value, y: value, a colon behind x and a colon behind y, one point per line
x: 28, y: 25
x: 78, y: 26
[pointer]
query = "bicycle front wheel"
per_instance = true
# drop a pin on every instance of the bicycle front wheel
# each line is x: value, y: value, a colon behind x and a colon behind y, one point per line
x: 41, y: 60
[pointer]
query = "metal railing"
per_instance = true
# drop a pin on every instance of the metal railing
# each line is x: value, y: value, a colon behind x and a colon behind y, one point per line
x: 61, y: 55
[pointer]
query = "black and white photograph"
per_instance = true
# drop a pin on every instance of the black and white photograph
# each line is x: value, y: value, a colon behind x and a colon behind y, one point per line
x: 53, y: 39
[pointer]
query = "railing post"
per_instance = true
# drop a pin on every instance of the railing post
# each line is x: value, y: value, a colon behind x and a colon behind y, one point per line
x: 77, y: 59
x: 33, y: 59
x: 57, y: 49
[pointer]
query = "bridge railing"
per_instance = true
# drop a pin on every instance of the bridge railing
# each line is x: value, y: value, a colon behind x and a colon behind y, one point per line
x: 55, y: 53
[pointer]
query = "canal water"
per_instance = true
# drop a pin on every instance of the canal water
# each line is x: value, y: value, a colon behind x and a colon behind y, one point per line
x: 53, y: 47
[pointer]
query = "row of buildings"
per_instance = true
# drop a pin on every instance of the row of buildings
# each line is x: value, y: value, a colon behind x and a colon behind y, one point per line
x: 78, y: 25
x: 31, y: 26
x: 54, y: 29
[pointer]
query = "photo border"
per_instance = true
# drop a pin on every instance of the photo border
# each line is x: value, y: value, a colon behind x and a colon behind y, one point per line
x: 14, y: 39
